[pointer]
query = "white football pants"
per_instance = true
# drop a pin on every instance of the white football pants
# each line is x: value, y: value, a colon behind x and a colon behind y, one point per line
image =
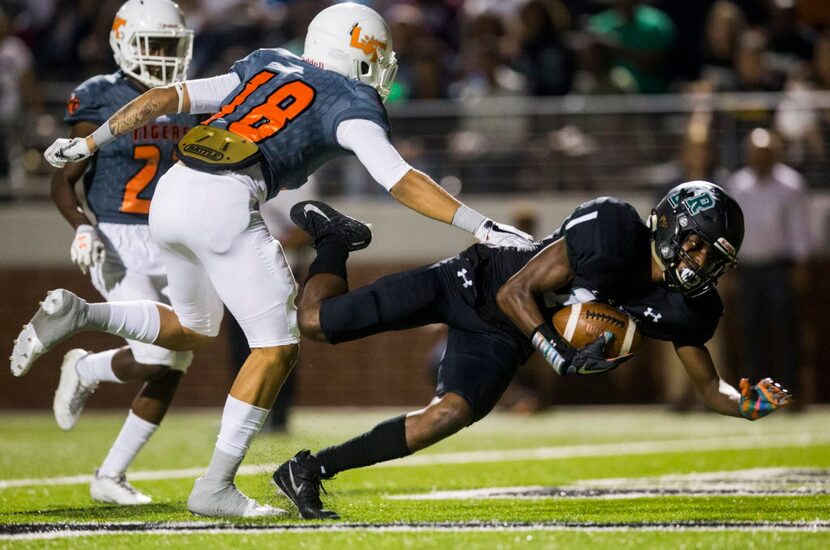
x: 217, y: 249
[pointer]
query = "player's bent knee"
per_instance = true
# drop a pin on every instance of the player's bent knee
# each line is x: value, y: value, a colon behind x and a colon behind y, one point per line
x: 309, y: 322
x: 190, y: 340
x: 277, y: 355
x: 451, y: 414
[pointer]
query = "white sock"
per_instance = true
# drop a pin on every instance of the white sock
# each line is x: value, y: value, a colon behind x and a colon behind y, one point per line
x: 134, y: 434
x: 97, y: 367
x: 240, y: 424
x: 136, y: 320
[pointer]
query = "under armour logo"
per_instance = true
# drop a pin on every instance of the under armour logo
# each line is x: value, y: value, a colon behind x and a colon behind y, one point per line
x: 650, y: 313
x: 462, y: 274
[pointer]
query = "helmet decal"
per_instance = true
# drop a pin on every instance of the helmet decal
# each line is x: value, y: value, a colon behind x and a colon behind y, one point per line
x: 697, y: 203
x: 117, y: 23
x: 369, y: 44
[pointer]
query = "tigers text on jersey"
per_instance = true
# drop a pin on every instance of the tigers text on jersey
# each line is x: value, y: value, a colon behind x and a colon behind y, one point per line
x: 609, y: 249
x: 291, y: 110
x: 122, y: 176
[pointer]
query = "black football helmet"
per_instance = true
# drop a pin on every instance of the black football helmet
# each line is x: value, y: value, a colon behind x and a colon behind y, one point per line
x: 704, y: 209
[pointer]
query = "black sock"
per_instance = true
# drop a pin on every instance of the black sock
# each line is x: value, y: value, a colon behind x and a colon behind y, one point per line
x: 332, y: 253
x: 386, y: 441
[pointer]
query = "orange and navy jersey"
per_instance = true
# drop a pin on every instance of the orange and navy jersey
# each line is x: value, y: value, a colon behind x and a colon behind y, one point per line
x: 122, y: 176
x: 291, y: 110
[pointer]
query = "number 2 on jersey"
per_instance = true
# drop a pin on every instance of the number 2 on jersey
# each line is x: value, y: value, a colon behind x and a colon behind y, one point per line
x: 271, y: 116
x: 132, y: 203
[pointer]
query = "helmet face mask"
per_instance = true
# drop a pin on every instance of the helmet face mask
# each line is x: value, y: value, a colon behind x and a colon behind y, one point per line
x: 151, y: 43
x: 353, y: 40
x: 705, y: 210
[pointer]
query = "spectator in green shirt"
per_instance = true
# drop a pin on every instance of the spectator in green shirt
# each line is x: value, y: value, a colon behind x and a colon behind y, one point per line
x: 638, y: 39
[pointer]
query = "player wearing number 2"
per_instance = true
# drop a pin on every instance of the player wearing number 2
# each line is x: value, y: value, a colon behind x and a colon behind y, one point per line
x: 277, y: 118
x: 152, y: 46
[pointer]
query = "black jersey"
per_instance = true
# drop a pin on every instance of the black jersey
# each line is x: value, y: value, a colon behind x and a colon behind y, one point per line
x: 609, y: 249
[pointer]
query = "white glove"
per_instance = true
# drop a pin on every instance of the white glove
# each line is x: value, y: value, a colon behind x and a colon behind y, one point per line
x: 67, y: 150
x: 499, y: 234
x: 87, y: 248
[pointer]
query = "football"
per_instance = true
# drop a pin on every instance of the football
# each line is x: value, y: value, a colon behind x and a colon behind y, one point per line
x: 581, y: 324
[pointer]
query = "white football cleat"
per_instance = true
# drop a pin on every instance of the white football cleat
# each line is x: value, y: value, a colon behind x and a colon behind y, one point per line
x: 61, y: 314
x: 71, y: 395
x: 116, y: 490
x: 221, y: 499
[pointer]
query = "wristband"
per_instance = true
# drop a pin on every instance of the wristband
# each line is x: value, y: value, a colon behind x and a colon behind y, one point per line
x: 546, y: 331
x: 467, y: 219
x: 180, y: 92
x: 551, y: 346
x: 102, y: 135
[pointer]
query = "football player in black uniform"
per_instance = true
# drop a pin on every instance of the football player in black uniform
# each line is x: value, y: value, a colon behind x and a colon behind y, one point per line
x: 498, y: 303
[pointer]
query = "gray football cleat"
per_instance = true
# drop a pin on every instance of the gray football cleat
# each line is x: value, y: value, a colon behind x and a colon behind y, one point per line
x: 222, y: 499
x: 61, y: 314
x: 116, y: 490
x: 71, y: 395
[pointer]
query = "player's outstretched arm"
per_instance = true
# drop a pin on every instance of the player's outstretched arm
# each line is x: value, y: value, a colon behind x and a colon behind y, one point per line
x: 416, y: 190
x: 147, y: 107
x: 752, y: 402
x: 419, y: 192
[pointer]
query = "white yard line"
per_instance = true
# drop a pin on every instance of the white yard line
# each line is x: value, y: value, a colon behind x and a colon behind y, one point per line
x: 765, y: 440
x: 792, y: 482
x: 172, y: 529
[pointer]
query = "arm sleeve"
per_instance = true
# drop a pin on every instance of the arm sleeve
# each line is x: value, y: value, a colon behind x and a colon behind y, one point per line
x: 206, y: 94
x: 371, y: 145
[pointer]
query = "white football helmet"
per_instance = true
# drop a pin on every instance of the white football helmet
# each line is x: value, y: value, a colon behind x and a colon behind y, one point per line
x: 355, y: 41
x: 150, y: 41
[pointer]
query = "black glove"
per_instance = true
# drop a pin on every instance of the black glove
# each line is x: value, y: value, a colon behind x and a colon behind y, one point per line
x: 565, y: 359
x: 590, y: 359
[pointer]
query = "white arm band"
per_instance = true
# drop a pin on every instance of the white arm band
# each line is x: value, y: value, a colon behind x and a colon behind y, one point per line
x: 102, y: 135
x: 467, y: 219
x: 369, y: 142
x: 179, y: 86
x: 206, y: 94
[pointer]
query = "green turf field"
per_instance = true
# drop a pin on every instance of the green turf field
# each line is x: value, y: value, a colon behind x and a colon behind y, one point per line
x: 602, y: 476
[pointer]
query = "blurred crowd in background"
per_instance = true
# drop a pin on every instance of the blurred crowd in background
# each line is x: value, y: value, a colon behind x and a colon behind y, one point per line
x: 461, y: 48
x: 469, y: 51
x: 520, y: 97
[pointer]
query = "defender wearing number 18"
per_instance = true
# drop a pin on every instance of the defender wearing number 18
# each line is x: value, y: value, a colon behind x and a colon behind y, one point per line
x: 276, y: 119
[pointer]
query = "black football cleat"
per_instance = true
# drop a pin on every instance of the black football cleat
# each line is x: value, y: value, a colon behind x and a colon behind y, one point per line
x: 299, y: 479
x: 318, y: 219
